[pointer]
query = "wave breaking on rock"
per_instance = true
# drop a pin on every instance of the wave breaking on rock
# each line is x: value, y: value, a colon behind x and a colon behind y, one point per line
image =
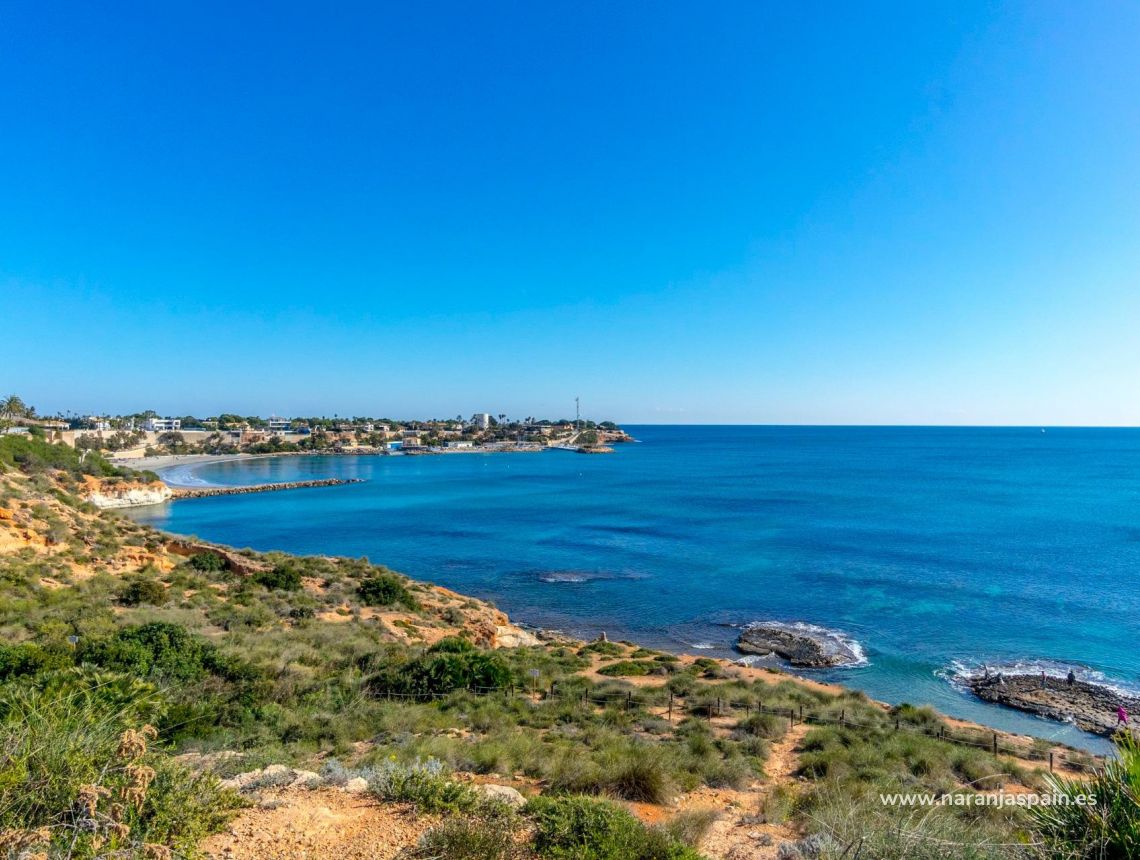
x: 801, y: 644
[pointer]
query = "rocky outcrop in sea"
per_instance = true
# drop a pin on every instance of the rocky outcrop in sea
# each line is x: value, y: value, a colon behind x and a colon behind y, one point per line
x: 802, y: 645
x: 1091, y: 707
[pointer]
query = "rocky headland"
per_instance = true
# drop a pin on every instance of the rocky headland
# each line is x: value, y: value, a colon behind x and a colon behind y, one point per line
x: 1091, y: 707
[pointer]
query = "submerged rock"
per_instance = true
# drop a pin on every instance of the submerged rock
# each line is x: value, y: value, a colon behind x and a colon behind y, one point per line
x: 1090, y: 707
x: 800, y: 644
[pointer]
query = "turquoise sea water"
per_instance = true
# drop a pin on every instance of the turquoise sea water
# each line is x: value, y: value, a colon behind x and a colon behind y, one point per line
x: 933, y: 548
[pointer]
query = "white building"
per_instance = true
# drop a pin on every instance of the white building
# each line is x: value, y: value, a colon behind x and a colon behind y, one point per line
x: 162, y: 425
x: 279, y: 425
x: 482, y: 420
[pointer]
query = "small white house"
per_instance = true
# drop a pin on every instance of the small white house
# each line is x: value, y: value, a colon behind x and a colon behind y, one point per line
x: 162, y: 425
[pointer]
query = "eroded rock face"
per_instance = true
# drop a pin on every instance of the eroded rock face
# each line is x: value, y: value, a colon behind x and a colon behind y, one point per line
x: 1090, y: 707
x: 800, y: 645
x: 128, y: 495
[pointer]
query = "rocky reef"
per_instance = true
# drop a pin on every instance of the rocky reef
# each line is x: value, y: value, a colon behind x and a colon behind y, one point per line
x: 1091, y: 707
x: 802, y: 645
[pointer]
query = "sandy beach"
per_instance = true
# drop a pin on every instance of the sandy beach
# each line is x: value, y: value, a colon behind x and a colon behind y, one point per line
x: 171, y: 467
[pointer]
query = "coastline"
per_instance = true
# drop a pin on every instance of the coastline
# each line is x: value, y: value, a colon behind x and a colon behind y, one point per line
x: 164, y: 465
x: 949, y: 699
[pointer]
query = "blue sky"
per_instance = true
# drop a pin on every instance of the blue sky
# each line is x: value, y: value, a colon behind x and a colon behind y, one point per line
x: 684, y: 213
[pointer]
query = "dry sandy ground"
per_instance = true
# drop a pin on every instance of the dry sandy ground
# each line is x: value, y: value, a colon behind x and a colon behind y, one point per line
x: 321, y: 824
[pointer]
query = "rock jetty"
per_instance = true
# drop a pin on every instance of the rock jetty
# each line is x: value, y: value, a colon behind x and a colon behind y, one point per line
x: 198, y: 493
x: 800, y: 644
x: 1091, y: 707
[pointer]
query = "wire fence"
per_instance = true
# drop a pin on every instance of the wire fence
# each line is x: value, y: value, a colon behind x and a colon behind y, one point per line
x: 711, y: 708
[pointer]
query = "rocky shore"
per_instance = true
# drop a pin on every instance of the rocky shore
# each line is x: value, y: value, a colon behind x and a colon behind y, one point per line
x: 198, y: 493
x: 801, y: 645
x: 1091, y: 707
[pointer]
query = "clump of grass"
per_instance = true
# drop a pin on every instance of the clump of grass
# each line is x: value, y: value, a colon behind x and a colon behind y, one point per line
x: 626, y: 669
x: 1108, y: 828
x: 80, y: 780
x: 690, y: 826
x: 603, y: 647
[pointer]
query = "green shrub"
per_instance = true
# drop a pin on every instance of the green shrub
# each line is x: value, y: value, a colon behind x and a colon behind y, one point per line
x: 584, y: 828
x: 282, y: 577
x: 52, y: 745
x: 453, y: 645
x: 386, y: 589
x: 603, y: 647
x: 1108, y: 828
x: 207, y: 562
x: 143, y: 589
x: 29, y: 658
x: 439, y: 672
x: 487, y: 835
x: 639, y: 774
x: 423, y: 783
x: 625, y: 669
x: 762, y: 726
x: 165, y: 651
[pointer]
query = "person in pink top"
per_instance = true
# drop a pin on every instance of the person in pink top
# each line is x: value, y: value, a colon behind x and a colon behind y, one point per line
x: 1121, y: 716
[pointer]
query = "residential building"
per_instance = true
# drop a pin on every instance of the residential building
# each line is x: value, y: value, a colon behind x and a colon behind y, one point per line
x: 482, y: 420
x: 162, y: 425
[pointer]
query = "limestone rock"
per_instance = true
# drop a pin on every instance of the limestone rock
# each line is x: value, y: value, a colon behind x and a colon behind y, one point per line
x: 502, y: 793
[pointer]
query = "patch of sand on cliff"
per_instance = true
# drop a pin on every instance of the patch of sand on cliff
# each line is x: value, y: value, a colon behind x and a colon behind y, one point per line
x: 299, y: 824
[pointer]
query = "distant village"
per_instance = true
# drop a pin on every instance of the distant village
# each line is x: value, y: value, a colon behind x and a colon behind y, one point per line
x: 148, y: 434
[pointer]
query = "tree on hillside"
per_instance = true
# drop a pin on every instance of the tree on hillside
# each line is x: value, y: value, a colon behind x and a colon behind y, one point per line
x: 13, y: 407
x: 172, y: 440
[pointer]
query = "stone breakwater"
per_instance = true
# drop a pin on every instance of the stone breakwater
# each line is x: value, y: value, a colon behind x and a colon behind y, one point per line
x: 198, y: 493
x: 1091, y: 707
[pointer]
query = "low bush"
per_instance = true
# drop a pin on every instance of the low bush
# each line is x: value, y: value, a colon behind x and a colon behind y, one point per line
x: 386, y: 589
x: 603, y: 647
x: 423, y: 783
x: 584, y: 828
x: 487, y: 835
x: 207, y: 562
x: 442, y: 671
x: 79, y: 781
x: 626, y: 669
x: 143, y: 589
x: 1108, y: 828
x: 282, y: 577
x: 29, y: 658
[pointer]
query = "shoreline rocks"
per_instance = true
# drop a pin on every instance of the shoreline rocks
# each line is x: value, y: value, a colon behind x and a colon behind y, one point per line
x: 194, y: 493
x: 801, y: 645
x: 1090, y: 707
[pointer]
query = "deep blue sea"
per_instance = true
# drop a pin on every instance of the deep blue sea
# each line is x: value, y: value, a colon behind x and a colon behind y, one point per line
x: 933, y: 548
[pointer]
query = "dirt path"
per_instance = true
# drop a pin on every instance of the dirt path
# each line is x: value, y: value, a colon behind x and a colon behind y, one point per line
x: 743, y: 831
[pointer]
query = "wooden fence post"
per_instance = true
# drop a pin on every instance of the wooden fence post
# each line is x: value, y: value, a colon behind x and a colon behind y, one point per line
x: 670, y: 706
x: 995, y: 743
x: 1050, y: 761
